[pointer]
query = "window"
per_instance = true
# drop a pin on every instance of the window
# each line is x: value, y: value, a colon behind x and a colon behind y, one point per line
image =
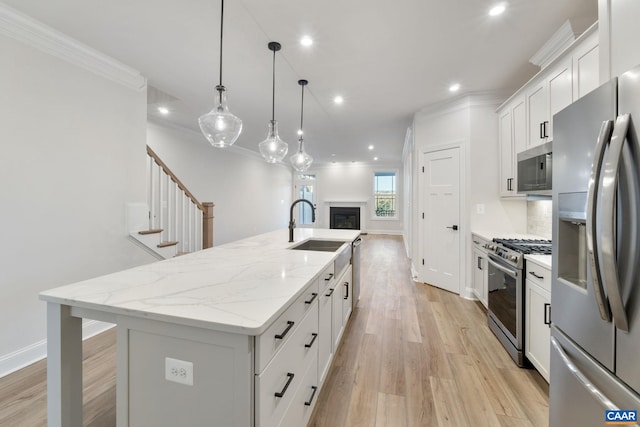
x: 384, y: 193
x: 305, y: 186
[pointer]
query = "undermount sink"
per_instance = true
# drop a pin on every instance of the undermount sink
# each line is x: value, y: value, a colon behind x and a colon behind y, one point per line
x: 319, y: 245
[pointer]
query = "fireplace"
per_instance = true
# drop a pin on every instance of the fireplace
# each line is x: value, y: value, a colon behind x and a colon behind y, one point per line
x: 344, y: 218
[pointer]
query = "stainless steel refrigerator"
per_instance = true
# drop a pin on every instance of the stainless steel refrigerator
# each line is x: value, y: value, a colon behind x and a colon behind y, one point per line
x: 595, y: 295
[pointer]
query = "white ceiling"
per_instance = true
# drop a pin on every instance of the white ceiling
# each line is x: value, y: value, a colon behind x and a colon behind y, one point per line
x: 387, y: 58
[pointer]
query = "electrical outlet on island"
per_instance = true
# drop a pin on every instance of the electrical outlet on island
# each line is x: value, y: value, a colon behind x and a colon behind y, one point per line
x: 178, y: 371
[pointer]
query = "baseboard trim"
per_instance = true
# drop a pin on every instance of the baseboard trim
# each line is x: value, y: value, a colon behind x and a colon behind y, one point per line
x: 35, y: 352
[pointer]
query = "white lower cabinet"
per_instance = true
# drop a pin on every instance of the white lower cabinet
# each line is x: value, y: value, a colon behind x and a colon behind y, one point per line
x: 325, y: 337
x: 304, y: 400
x: 480, y: 275
x: 288, y: 384
x: 279, y: 385
x: 347, y: 296
x: 341, y: 306
x: 538, y: 318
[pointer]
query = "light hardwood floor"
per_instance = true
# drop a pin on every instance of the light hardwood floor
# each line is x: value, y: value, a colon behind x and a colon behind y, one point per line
x: 412, y: 355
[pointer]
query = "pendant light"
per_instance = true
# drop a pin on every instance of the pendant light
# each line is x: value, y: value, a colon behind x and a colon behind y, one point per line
x: 301, y: 160
x: 219, y: 126
x: 273, y: 149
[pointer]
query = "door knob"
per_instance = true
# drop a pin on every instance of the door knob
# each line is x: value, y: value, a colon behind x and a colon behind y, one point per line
x: 453, y: 227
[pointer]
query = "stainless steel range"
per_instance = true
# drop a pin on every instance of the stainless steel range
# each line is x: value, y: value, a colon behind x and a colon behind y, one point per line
x: 506, y: 290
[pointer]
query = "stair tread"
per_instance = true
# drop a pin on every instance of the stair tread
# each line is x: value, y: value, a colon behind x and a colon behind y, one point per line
x: 182, y: 253
x: 165, y: 244
x: 152, y: 231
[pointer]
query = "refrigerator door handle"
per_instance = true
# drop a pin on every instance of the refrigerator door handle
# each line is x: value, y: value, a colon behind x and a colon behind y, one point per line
x: 609, y: 190
x: 582, y: 379
x: 592, y: 202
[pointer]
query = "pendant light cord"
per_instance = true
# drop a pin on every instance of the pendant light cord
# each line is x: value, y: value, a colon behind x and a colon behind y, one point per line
x: 220, y: 87
x: 273, y: 91
x: 302, y: 111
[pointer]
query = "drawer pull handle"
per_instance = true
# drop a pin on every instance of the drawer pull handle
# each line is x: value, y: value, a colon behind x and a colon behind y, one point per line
x: 313, y: 394
x: 330, y: 292
x: 547, y: 314
x: 286, y: 386
x: 536, y: 276
x: 313, y: 296
x: 286, y: 331
x: 346, y: 285
x: 326, y: 279
x: 312, y: 341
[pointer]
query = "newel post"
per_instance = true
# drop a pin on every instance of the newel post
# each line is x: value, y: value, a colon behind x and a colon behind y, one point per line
x: 207, y: 225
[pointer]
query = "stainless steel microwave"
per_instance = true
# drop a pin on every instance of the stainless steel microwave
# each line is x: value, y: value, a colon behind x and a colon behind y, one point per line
x: 534, y: 170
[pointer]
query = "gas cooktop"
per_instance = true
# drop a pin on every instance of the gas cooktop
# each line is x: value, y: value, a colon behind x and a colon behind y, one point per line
x: 526, y: 246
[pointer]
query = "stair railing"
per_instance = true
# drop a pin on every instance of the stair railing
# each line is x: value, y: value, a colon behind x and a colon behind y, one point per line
x: 173, y: 209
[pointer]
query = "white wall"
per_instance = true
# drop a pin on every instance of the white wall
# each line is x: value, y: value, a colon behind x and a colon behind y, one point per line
x: 470, y: 122
x: 72, y: 155
x: 250, y: 195
x: 346, y: 183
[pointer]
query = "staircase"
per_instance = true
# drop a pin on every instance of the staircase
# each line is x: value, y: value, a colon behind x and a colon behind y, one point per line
x: 178, y: 223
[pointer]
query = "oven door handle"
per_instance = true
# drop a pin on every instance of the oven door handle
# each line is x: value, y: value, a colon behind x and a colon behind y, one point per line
x: 511, y: 272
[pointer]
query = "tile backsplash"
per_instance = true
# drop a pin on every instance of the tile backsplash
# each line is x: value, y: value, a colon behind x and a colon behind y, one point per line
x: 539, y: 218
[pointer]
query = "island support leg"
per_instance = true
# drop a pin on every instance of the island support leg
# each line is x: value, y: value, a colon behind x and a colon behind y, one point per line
x: 64, y: 367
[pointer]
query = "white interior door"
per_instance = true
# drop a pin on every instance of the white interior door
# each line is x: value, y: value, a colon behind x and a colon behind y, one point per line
x: 441, y: 207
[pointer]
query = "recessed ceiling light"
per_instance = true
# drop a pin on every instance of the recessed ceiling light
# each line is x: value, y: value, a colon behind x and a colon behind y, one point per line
x: 371, y: 147
x: 300, y: 132
x: 497, y: 9
x: 454, y: 87
x: 163, y: 110
x: 333, y: 155
x: 375, y: 158
x: 306, y: 41
x: 338, y: 99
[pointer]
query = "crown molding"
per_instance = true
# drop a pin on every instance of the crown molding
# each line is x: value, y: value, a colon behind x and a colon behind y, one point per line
x: 557, y: 44
x: 460, y: 103
x: 21, y: 27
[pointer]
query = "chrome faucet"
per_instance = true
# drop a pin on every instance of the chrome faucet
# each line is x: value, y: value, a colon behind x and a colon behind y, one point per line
x: 292, y: 222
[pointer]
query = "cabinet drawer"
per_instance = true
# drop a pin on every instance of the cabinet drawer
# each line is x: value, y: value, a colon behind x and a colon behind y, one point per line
x: 327, y: 277
x: 479, y: 242
x: 284, y: 327
x: 304, y: 400
x: 285, y: 373
x: 539, y: 275
x: 325, y: 348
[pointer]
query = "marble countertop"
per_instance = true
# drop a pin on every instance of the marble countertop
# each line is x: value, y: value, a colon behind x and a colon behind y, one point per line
x: 239, y: 287
x: 543, y: 260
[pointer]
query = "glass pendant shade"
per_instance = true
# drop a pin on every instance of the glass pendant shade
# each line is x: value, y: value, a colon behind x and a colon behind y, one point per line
x: 219, y: 126
x: 273, y: 149
x: 301, y: 160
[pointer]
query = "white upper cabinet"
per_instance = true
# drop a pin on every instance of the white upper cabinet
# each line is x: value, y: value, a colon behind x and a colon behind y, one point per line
x: 586, y: 70
x: 560, y: 91
x: 619, y: 36
x: 550, y: 95
x: 507, y: 163
x: 538, y: 117
x: 512, y: 137
x: 526, y: 119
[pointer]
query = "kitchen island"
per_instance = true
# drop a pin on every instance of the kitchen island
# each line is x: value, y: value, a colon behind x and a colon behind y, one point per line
x: 206, y: 338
